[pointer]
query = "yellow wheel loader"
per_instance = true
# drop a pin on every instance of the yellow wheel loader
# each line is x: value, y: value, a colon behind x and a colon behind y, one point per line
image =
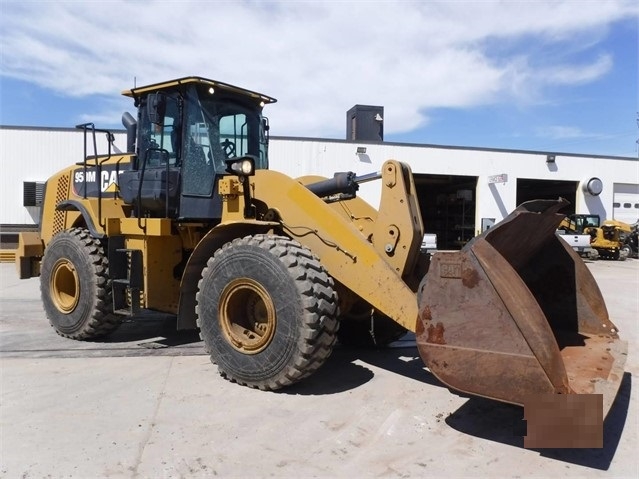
x: 190, y: 221
x: 611, y: 239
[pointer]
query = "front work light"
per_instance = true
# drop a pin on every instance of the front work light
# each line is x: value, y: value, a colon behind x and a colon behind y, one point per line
x: 241, y: 166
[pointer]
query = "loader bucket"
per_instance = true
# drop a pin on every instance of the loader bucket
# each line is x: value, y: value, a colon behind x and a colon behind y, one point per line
x: 517, y: 313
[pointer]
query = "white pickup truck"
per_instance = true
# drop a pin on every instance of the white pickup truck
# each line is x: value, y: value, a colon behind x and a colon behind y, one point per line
x: 429, y: 243
x: 580, y: 243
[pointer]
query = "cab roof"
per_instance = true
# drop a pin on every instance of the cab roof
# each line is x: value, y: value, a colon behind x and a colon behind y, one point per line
x: 138, y: 91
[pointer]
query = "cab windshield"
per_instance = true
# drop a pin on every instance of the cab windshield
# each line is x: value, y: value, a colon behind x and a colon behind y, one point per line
x: 225, y: 126
x: 587, y: 222
x: 198, y: 131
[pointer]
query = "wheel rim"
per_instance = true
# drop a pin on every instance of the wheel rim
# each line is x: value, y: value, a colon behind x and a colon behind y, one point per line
x: 247, y: 315
x: 64, y: 286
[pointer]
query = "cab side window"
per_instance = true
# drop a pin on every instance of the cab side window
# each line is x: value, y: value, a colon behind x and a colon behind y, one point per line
x: 160, y: 140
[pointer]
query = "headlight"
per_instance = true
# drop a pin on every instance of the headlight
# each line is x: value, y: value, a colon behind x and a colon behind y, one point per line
x: 244, y: 166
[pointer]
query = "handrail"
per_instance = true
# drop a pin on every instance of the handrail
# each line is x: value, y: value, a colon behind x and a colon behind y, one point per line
x: 98, y: 164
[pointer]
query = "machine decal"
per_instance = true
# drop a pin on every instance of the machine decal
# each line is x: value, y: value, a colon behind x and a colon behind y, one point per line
x: 450, y: 270
x: 91, y: 182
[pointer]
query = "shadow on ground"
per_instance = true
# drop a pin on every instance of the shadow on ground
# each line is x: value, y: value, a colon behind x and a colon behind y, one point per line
x: 346, y: 368
x: 146, y: 334
x: 153, y: 331
x: 502, y: 423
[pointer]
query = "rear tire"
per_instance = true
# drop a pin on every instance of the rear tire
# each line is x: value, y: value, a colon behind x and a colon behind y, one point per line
x: 267, y: 311
x: 75, y: 286
x: 625, y: 252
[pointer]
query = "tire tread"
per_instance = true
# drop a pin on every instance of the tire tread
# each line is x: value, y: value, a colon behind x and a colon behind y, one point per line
x: 319, y: 300
x: 102, y: 321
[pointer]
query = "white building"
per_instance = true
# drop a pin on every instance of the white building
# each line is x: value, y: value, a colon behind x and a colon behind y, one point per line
x: 461, y: 190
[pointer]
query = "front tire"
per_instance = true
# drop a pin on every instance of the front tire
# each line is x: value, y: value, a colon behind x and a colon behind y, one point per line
x: 267, y: 311
x: 75, y: 286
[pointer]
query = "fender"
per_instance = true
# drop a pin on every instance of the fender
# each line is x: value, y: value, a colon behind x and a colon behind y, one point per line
x: 204, y: 250
x: 75, y: 205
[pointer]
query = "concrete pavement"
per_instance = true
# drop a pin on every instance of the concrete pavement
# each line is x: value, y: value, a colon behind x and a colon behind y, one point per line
x: 149, y: 404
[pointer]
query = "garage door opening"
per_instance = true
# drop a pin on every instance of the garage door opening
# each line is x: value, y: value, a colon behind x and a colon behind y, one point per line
x: 447, y: 203
x: 531, y: 189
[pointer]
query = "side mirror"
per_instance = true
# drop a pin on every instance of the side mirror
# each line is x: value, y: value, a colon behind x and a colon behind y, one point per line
x: 131, y: 129
x: 156, y: 107
x: 266, y: 127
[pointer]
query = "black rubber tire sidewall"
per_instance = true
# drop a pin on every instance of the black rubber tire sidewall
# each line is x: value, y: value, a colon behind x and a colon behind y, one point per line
x: 283, y: 361
x: 91, y: 317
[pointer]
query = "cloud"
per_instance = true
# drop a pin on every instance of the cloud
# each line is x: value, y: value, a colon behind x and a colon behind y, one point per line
x: 318, y: 59
x: 577, y: 74
x: 558, y: 132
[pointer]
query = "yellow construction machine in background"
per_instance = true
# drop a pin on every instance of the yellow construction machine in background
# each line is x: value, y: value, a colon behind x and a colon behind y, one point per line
x: 611, y: 239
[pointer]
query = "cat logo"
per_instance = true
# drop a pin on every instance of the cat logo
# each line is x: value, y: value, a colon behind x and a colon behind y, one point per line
x: 109, y: 182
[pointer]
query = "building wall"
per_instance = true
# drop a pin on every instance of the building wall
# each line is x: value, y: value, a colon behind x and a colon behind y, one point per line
x: 33, y: 154
x: 494, y: 200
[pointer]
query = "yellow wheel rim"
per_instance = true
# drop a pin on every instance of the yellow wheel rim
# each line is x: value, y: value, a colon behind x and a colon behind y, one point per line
x: 64, y: 286
x: 247, y: 315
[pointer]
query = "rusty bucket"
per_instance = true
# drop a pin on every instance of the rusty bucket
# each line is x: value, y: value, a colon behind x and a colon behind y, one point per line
x: 517, y: 313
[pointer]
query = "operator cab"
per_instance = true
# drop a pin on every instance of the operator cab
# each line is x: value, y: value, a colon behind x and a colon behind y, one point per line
x: 186, y: 131
x: 583, y: 222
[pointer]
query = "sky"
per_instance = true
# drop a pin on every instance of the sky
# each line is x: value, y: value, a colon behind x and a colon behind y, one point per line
x: 558, y: 76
